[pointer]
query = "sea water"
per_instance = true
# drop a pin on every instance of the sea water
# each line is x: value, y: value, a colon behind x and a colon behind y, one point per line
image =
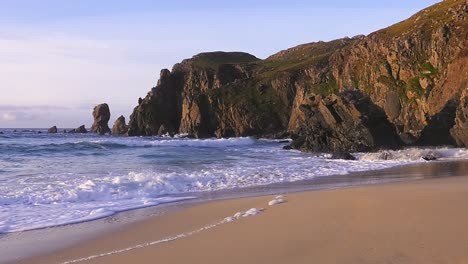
x: 54, y: 179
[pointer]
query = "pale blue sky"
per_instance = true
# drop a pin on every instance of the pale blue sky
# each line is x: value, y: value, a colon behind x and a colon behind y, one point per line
x: 59, y: 58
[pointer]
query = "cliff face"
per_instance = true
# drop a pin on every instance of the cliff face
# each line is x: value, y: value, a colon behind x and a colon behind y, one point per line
x: 414, y: 71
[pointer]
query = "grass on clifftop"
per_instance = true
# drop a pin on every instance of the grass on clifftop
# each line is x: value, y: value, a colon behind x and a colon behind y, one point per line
x: 432, y: 16
x: 301, y: 56
x: 212, y: 60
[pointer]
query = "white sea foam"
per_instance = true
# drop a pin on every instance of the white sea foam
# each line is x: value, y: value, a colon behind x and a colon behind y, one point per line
x: 415, y: 154
x: 78, y: 182
x: 250, y: 212
x: 177, y: 142
x: 279, y: 199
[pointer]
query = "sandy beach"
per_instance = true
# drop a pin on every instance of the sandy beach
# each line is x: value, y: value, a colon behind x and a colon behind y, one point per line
x: 408, y: 222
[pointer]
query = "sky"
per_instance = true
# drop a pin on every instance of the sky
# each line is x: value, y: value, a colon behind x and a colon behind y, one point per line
x: 60, y: 58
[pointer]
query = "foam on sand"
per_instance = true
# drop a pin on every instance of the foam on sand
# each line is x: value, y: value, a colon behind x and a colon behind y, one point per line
x: 236, y: 216
x: 279, y: 199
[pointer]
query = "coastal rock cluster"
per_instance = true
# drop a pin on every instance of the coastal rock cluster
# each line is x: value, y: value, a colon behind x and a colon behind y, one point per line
x: 81, y: 129
x: 101, y: 115
x: 402, y: 85
x: 405, y: 84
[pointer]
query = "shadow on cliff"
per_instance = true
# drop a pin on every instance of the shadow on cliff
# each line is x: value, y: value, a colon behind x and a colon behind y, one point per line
x: 374, y: 118
x: 349, y: 121
x: 437, y: 131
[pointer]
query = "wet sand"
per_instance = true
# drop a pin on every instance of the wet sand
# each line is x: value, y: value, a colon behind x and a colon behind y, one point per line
x: 404, y: 222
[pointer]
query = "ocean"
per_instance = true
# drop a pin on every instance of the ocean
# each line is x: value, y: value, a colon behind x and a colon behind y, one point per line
x: 55, y: 179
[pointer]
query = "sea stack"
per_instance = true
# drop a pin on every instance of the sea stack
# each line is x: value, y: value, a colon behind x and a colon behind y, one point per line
x: 52, y: 130
x: 101, y: 116
x: 120, y: 127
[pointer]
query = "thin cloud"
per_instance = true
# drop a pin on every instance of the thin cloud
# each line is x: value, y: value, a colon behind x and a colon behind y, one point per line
x: 8, y: 116
x: 32, y: 108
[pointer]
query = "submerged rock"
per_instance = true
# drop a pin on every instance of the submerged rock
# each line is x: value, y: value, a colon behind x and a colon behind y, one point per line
x: 343, y: 156
x: 101, y: 114
x: 52, y: 130
x: 120, y: 127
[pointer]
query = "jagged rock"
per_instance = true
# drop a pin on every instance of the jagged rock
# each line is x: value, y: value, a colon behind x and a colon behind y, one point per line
x: 460, y: 129
x: 101, y: 115
x: 1, y: 132
x: 166, y: 131
x: 120, y: 127
x: 64, y: 131
x: 409, y: 75
x: 52, y: 130
x: 80, y: 129
x: 429, y: 157
x: 348, y: 122
x: 343, y: 156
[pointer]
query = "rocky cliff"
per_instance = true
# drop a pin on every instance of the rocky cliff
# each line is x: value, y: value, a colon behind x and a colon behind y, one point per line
x: 411, y: 76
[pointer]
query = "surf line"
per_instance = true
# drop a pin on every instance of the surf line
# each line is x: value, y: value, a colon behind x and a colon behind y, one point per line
x: 250, y: 212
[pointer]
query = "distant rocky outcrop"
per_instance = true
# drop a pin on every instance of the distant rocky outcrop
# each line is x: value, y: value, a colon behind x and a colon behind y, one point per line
x: 101, y: 115
x: 80, y: 129
x: 120, y: 127
x: 460, y: 129
x: 52, y: 130
x: 405, y: 82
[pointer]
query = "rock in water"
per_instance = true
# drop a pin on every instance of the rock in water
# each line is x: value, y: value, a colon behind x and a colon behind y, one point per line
x: 429, y: 157
x: 52, y: 130
x: 343, y: 156
x: 101, y: 116
x: 80, y: 129
x: 120, y: 127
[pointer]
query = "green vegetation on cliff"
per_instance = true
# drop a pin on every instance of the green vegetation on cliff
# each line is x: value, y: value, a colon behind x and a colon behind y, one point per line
x: 403, y: 69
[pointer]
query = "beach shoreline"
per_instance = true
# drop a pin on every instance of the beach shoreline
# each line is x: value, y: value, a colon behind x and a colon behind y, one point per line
x: 426, y: 170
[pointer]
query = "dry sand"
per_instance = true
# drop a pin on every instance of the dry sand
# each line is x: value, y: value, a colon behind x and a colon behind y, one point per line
x: 411, y: 222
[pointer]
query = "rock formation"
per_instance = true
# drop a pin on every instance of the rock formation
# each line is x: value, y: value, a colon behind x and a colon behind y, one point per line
x: 409, y: 79
x: 460, y: 129
x: 101, y: 115
x: 52, y: 130
x: 120, y: 127
x: 80, y: 129
x: 345, y: 122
